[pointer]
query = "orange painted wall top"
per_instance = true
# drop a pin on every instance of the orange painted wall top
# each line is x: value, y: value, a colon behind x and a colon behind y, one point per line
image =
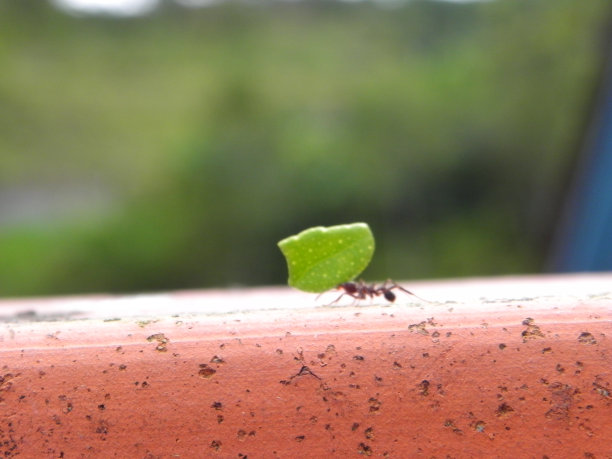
x: 504, y: 367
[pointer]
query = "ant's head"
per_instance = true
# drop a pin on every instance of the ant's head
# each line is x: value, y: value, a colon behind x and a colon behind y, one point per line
x: 348, y: 287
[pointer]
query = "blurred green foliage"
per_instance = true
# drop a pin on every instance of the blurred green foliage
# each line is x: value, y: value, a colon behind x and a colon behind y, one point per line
x: 216, y: 132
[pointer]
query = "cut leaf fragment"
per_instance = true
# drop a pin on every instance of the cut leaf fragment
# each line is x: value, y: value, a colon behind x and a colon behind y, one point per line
x: 320, y: 258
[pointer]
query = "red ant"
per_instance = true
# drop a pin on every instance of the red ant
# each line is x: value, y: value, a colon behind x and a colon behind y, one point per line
x: 360, y: 290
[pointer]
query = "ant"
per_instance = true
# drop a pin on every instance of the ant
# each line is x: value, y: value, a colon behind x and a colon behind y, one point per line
x: 360, y: 290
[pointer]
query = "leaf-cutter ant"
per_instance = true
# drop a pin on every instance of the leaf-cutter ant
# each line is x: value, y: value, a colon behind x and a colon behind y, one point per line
x: 360, y: 290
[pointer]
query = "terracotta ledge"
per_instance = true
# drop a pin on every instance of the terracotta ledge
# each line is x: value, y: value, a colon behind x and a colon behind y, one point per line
x: 504, y: 367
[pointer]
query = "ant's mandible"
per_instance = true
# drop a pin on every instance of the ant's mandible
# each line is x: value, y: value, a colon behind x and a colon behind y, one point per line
x: 360, y: 290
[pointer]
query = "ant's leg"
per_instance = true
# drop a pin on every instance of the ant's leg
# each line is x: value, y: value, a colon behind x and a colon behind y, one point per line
x: 362, y: 291
x: 337, y: 299
x: 356, y: 297
x: 394, y: 285
x: 374, y: 291
x: 327, y: 291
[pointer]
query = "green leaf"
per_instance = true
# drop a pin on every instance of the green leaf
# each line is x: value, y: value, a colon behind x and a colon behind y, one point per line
x: 320, y: 258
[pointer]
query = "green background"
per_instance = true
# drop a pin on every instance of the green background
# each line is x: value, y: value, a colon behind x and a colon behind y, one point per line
x: 174, y: 150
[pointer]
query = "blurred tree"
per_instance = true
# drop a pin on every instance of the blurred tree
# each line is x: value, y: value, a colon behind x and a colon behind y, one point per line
x: 219, y: 131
